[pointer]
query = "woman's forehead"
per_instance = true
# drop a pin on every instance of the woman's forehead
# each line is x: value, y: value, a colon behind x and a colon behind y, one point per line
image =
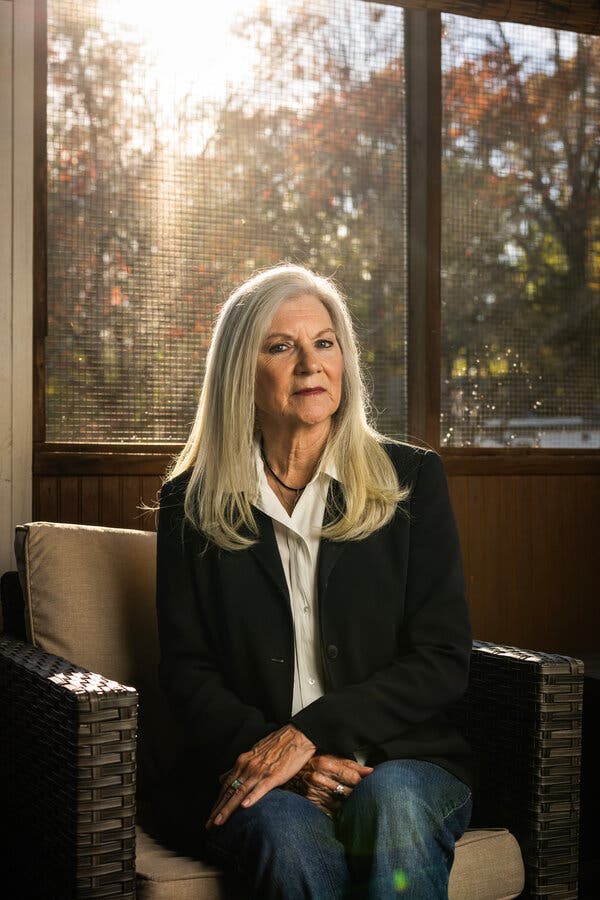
x: 305, y: 308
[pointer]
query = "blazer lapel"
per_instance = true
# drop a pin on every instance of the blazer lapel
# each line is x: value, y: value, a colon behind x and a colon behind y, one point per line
x: 329, y: 551
x: 266, y: 552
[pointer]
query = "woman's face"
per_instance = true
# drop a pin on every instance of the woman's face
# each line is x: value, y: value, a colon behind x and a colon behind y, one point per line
x: 299, y: 367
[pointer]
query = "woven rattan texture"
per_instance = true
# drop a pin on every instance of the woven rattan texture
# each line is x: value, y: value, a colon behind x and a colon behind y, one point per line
x: 67, y: 770
x: 523, y: 719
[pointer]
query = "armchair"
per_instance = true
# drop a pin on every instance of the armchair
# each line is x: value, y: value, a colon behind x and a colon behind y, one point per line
x: 70, y: 765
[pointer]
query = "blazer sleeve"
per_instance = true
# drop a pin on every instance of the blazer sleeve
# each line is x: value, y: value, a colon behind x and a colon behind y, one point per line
x: 215, y: 721
x: 431, y: 668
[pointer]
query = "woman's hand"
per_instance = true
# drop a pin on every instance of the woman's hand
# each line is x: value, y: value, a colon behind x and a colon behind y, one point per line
x: 271, y: 762
x: 319, y: 777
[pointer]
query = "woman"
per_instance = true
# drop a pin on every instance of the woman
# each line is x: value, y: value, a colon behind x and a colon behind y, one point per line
x: 312, y: 614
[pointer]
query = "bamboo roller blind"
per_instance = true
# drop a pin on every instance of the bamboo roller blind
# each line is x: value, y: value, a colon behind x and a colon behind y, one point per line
x: 568, y: 15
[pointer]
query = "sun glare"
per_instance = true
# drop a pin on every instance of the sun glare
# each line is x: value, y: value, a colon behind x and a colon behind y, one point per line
x: 192, y: 54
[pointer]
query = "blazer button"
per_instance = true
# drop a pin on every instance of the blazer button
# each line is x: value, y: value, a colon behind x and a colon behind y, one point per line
x: 332, y: 651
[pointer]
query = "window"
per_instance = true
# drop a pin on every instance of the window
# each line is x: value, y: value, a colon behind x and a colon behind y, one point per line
x: 520, y: 236
x: 183, y: 158
x: 180, y: 160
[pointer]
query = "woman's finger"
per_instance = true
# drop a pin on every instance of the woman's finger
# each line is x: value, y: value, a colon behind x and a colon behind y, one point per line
x: 344, y: 771
x: 322, y: 792
x: 229, y: 800
x: 226, y: 788
x: 349, y: 766
x: 261, y: 787
x: 340, y: 792
x: 334, y: 763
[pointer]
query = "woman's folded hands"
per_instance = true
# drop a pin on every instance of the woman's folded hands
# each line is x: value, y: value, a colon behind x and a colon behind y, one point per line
x: 327, y: 780
x: 286, y: 758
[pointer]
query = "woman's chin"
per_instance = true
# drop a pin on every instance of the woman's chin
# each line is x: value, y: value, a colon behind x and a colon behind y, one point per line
x: 313, y: 410
x: 312, y: 420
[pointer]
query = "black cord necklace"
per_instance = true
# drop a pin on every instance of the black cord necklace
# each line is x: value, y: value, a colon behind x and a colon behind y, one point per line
x: 277, y: 479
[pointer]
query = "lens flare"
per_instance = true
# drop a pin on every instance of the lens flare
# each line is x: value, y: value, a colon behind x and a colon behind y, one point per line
x: 400, y: 881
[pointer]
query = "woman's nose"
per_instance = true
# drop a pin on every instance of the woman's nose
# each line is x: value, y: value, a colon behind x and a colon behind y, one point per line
x: 308, y: 360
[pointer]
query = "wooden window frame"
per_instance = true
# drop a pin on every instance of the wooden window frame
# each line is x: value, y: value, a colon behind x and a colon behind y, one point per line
x: 422, y: 43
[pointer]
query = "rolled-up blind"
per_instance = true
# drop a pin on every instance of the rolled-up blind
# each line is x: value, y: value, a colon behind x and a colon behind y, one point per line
x: 568, y: 15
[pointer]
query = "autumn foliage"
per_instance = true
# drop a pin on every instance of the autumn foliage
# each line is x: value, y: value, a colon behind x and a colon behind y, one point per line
x: 305, y: 161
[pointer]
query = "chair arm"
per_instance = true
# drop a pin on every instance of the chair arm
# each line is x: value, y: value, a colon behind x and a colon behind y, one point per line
x: 522, y: 716
x: 67, y: 777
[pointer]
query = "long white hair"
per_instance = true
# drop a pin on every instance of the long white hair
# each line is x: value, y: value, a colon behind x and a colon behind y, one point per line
x: 220, y: 448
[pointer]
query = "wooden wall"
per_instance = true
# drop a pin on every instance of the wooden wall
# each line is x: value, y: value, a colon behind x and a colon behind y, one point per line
x: 530, y: 549
x: 111, y: 500
x: 530, y: 546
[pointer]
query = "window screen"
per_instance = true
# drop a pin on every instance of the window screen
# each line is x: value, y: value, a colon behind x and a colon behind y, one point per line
x: 190, y: 145
x: 520, y: 236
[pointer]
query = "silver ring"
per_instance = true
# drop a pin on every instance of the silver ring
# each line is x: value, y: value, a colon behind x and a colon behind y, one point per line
x: 236, y: 784
x: 339, y: 790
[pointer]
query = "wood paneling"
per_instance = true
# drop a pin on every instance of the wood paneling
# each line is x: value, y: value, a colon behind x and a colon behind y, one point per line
x: 530, y: 550
x: 102, y: 459
x: 90, y: 500
x: 521, y: 461
x: 113, y: 501
x: 530, y: 546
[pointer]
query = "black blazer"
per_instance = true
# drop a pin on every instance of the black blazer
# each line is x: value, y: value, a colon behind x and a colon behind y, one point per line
x: 393, y: 621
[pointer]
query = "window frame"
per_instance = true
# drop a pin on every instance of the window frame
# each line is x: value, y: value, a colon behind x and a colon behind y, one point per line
x: 422, y: 48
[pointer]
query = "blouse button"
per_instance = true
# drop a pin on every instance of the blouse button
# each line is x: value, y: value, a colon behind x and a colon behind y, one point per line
x: 311, y: 680
x: 332, y: 651
x: 306, y: 609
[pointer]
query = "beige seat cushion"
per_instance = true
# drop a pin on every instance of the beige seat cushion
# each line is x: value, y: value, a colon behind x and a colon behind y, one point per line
x: 487, y: 866
x: 487, y: 859
x: 163, y: 875
x: 89, y: 595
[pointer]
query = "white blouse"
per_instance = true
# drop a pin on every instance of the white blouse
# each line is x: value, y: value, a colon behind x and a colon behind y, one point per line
x: 298, y: 538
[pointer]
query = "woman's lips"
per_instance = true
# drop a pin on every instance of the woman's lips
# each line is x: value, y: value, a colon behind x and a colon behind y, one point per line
x: 307, y: 392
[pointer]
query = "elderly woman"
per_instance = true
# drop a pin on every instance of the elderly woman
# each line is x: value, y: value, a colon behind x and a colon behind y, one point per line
x: 312, y: 614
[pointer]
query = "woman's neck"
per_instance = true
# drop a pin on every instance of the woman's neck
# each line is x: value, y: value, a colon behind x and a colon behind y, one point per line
x: 294, y: 457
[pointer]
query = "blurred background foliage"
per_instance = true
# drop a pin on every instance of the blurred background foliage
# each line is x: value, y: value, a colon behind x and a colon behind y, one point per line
x: 157, y: 209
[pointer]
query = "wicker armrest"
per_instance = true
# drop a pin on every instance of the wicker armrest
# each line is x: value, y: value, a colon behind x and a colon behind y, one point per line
x: 67, y: 778
x: 522, y: 716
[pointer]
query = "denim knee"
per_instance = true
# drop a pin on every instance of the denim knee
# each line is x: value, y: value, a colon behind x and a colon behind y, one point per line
x: 412, y: 779
x: 408, y: 791
x: 272, y: 820
x: 282, y: 844
x: 399, y: 827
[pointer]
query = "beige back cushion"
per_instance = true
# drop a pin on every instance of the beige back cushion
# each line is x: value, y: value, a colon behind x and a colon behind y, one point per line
x: 90, y: 597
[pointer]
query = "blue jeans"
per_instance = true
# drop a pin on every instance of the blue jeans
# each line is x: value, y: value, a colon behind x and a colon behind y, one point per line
x: 393, y: 837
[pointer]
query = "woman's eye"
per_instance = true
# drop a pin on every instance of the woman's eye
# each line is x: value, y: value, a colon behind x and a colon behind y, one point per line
x: 277, y: 348
x: 324, y: 342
